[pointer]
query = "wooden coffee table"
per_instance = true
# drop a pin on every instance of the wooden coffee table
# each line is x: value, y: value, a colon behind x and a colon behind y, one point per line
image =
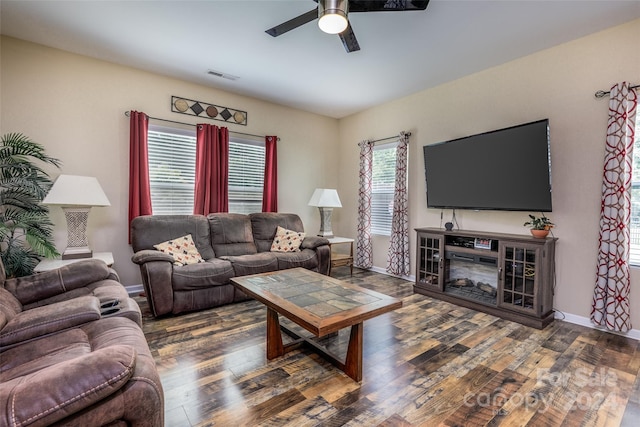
x: 320, y: 304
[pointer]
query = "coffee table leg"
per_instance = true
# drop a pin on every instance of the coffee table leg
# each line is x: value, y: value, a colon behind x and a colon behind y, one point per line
x: 353, y: 362
x: 274, y: 336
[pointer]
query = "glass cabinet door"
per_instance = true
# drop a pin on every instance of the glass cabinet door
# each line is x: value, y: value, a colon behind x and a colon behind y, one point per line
x: 430, y: 261
x: 518, y: 278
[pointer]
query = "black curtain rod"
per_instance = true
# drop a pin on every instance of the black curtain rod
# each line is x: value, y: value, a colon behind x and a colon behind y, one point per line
x: 126, y: 113
x: 602, y: 94
x: 390, y: 137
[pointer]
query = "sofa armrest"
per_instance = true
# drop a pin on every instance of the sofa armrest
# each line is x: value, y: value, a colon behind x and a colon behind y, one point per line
x: 323, y: 252
x: 29, y: 289
x: 312, y: 242
x: 63, y: 389
x: 50, y: 318
x: 156, y: 269
x: 113, y: 275
x: 150, y: 255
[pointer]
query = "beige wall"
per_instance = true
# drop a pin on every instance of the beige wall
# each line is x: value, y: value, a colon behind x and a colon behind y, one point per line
x: 557, y: 83
x: 75, y: 105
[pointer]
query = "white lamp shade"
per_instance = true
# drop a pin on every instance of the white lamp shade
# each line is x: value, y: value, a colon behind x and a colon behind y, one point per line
x: 325, y: 198
x: 74, y: 190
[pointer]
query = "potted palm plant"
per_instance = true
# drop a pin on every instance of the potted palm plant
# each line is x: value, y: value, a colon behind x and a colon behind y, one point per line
x: 539, y: 225
x: 26, y: 231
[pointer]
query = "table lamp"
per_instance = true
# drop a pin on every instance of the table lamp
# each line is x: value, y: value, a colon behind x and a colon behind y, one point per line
x: 325, y: 199
x: 76, y: 195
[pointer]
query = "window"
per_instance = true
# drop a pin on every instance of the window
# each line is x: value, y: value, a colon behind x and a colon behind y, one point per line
x: 172, y: 159
x: 383, y: 184
x: 634, y: 253
x: 172, y: 170
x: 246, y: 176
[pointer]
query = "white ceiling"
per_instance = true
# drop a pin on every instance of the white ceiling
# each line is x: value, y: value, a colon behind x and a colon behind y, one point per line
x: 401, y: 52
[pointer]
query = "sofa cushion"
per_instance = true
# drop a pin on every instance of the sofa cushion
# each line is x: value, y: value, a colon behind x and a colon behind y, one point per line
x: 305, y: 258
x: 35, y: 355
x: 182, y: 249
x: 139, y: 402
x: 231, y: 234
x: 104, y: 290
x: 265, y: 224
x: 47, y: 319
x: 149, y: 230
x: 95, y: 376
x: 286, y: 240
x: 214, y: 272
x: 37, y: 287
x: 253, y: 264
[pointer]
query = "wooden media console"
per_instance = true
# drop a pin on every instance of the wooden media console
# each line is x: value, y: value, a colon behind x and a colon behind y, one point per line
x: 507, y: 275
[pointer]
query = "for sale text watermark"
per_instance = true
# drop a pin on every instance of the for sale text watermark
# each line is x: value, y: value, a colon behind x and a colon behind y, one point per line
x: 582, y: 389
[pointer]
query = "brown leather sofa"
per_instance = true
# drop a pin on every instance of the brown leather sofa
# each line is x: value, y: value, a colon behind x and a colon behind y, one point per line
x: 72, y: 352
x: 232, y: 245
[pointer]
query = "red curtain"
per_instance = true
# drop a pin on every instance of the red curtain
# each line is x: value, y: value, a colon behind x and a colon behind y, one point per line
x: 139, y: 189
x: 270, y: 192
x: 212, y: 170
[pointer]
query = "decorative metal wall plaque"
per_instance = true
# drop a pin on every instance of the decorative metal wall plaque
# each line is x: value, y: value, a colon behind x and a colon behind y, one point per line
x: 208, y: 110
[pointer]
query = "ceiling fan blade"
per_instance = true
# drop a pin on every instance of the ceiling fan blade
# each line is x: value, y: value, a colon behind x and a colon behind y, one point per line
x: 293, y: 23
x: 349, y: 40
x: 386, y: 5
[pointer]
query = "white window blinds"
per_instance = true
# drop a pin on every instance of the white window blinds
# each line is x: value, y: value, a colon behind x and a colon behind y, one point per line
x: 246, y: 176
x: 383, y: 184
x: 172, y: 160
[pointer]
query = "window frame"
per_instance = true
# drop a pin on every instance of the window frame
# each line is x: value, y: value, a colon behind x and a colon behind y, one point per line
x: 157, y: 207
x: 634, y: 217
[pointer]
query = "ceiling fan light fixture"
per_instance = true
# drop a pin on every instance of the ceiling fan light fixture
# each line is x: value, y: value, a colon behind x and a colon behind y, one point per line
x: 332, y: 16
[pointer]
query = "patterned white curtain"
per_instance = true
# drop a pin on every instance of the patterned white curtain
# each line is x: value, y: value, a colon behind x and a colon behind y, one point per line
x: 364, y: 249
x: 398, y: 256
x: 611, y: 297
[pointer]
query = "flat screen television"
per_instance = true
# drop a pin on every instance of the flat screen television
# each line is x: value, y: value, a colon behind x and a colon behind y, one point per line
x: 506, y: 169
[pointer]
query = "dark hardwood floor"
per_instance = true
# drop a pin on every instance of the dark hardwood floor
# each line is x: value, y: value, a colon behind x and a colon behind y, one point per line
x: 429, y: 363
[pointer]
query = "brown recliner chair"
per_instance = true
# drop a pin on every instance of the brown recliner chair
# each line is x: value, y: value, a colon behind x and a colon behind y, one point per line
x: 45, y: 303
x: 72, y: 352
x: 101, y: 373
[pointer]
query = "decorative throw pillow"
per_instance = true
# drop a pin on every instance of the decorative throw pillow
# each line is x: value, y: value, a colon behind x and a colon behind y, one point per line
x: 183, y: 250
x: 287, y: 240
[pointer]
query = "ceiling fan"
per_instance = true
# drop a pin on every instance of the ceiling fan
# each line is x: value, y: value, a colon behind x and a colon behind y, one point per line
x: 332, y: 17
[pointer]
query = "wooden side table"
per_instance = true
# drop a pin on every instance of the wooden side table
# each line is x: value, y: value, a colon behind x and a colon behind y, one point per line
x: 339, y: 259
x: 52, y: 264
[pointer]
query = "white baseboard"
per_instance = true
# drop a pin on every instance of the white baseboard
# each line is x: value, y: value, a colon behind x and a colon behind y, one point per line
x: 134, y: 290
x: 383, y: 271
x: 585, y: 321
x: 567, y: 317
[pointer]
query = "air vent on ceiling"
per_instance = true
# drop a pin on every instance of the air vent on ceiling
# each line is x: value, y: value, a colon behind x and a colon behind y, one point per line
x: 222, y: 75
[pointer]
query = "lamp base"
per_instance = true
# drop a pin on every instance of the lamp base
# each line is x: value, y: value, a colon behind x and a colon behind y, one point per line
x: 77, y: 243
x: 77, y: 253
x: 325, y: 223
